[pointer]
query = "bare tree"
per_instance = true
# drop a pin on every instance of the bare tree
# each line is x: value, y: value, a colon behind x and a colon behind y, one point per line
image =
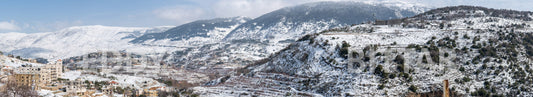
x: 12, y: 89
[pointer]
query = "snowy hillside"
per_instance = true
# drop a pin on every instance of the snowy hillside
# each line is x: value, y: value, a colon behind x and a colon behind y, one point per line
x: 194, y: 33
x: 11, y: 63
x: 289, y: 23
x: 75, y: 41
x: 482, y: 52
x: 271, y: 32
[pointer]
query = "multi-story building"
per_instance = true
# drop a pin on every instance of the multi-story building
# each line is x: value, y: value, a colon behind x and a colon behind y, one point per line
x: 151, y: 92
x: 54, y: 70
x: 38, y: 75
x: 30, y: 75
x: 76, y: 88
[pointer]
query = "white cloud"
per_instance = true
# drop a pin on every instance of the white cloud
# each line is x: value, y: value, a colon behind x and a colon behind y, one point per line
x: 207, y: 9
x: 9, y: 26
x: 181, y: 14
x: 37, y: 26
x: 254, y: 8
x: 250, y: 8
x: 223, y: 8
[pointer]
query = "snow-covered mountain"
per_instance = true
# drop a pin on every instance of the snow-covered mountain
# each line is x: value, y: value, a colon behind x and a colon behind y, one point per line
x: 257, y: 38
x: 481, y: 51
x: 193, y: 34
x: 292, y: 22
x: 76, y: 41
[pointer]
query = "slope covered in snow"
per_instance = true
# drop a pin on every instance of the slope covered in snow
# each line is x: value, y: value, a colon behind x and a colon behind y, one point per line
x: 292, y: 22
x: 271, y: 32
x: 12, y: 63
x: 75, y: 41
x: 193, y: 34
x: 481, y: 51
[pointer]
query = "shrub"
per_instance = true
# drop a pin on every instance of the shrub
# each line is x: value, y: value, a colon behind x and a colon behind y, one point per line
x: 486, y: 84
x: 355, y: 54
x: 366, y: 49
x: 424, y: 59
x: 480, y: 92
x: 466, y: 36
x: 344, y: 49
x: 404, y: 75
x: 366, y: 58
x: 356, y: 65
x: 434, y: 53
x: 411, y: 46
x: 418, y: 48
x: 400, y: 67
x: 343, y: 52
x: 412, y: 88
x: 392, y: 76
x: 399, y: 59
x: 381, y: 86
x: 380, y: 71
x: 345, y: 44
x: 466, y: 79
x: 379, y: 54
x: 488, y: 51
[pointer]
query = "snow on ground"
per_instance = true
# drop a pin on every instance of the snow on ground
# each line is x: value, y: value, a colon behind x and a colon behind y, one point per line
x: 48, y: 93
x: 123, y: 80
x: 71, y: 75
x: 384, y: 35
x: 12, y: 63
x: 337, y: 77
x: 79, y: 40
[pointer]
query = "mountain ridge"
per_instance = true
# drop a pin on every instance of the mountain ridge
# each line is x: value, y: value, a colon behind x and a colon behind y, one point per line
x: 211, y: 29
x: 73, y: 40
x: 478, y: 55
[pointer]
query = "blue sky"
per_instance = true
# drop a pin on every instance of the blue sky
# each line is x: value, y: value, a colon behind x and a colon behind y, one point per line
x: 30, y: 16
x: 51, y: 15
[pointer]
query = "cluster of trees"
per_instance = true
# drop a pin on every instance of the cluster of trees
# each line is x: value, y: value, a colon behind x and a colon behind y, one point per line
x: 344, y: 50
x: 380, y: 71
x: 434, y: 53
x: 418, y: 48
x: 467, y: 11
x: 413, y: 88
x: 12, y: 89
x: 399, y: 59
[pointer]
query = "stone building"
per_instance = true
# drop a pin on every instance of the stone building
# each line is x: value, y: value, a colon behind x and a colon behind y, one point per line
x: 78, y: 88
x: 151, y: 92
x: 30, y: 75
x: 54, y: 70
x: 38, y: 75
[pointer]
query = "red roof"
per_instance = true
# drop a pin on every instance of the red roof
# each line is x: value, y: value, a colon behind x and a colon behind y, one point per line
x: 113, y: 82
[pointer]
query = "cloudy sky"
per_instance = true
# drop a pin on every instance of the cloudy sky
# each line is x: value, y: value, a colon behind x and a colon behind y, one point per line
x: 30, y: 16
